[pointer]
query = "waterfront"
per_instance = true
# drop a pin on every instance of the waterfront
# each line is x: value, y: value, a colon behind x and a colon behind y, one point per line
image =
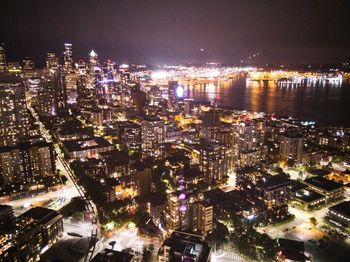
x: 325, y: 103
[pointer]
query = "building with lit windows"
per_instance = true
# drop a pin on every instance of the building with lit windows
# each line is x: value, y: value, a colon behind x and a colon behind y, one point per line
x: 27, y: 163
x: 14, y: 119
x: 52, y: 62
x: 210, y: 124
x: 131, y: 135
x: 340, y: 214
x: 68, y: 57
x: 152, y: 137
x: 181, y: 246
x: 172, y: 96
x: 30, y: 234
x: 187, y: 210
x: 291, y: 146
x: 214, y: 162
x: 3, y: 63
x: 52, y: 96
x: 328, y: 188
x: 247, y: 143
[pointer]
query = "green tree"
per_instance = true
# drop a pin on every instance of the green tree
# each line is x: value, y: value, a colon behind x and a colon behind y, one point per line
x: 313, y: 221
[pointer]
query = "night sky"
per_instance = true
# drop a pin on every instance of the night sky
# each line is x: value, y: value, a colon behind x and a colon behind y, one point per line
x: 161, y: 31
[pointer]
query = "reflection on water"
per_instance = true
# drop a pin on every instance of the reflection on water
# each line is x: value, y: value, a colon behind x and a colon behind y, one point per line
x: 325, y: 102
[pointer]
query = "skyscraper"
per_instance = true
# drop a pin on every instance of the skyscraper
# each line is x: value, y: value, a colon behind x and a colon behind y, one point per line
x: 14, y: 120
x: 52, y: 61
x: 172, y: 98
x: 3, y: 64
x: 68, y: 57
x: 210, y: 124
x: 152, y: 137
x: 291, y: 146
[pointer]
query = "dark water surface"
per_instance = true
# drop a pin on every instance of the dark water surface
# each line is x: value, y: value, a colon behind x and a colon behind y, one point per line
x: 325, y: 103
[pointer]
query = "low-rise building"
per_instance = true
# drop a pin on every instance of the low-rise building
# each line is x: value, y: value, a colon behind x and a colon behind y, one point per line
x: 291, y: 250
x: 339, y: 214
x: 308, y: 199
x: 86, y: 148
x: 330, y: 189
x: 181, y: 246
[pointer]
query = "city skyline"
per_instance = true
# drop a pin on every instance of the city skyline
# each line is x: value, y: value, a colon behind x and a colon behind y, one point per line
x: 174, y: 131
x: 160, y: 32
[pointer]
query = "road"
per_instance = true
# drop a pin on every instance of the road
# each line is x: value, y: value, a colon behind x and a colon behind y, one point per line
x: 127, y: 237
x: 64, y: 167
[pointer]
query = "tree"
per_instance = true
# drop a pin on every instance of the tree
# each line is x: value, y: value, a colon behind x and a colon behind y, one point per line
x: 146, y: 253
x: 313, y: 221
x: 219, y: 236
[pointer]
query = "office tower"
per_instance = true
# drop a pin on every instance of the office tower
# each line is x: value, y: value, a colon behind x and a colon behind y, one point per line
x: 152, y: 137
x: 81, y: 66
x: 28, y: 65
x: 93, y: 66
x: 68, y: 58
x: 86, y: 94
x: 214, y: 162
x: 172, y: 96
x: 291, y: 146
x: 3, y: 63
x: 14, y: 119
x: 46, y: 97
x: 52, y: 61
x: 52, y: 96
x: 210, y: 124
x: 93, y: 59
x: 27, y: 163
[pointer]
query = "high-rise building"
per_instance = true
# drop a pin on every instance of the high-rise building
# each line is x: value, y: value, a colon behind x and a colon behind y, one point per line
x: 33, y: 232
x: 14, y: 119
x: 51, y: 98
x: 291, y: 146
x: 3, y: 63
x: 210, y: 124
x: 28, y: 65
x: 205, y: 218
x: 27, y: 163
x: 52, y: 62
x: 186, y: 210
x: 93, y: 59
x: 247, y: 143
x: 214, y: 162
x: 68, y: 57
x: 131, y: 135
x: 86, y: 99
x: 81, y: 66
x: 46, y: 97
x: 152, y: 137
x: 172, y: 96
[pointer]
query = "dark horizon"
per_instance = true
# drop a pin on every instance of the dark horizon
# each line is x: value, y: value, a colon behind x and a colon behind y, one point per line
x: 157, y: 32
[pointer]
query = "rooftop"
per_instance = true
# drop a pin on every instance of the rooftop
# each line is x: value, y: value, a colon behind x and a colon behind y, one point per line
x: 308, y: 195
x: 343, y: 208
x: 188, y: 247
x: 40, y: 214
x: 5, y: 208
x: 109, y: 255
x: 323, y: 183
x: 273, y: 182
x: 84, y: 144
